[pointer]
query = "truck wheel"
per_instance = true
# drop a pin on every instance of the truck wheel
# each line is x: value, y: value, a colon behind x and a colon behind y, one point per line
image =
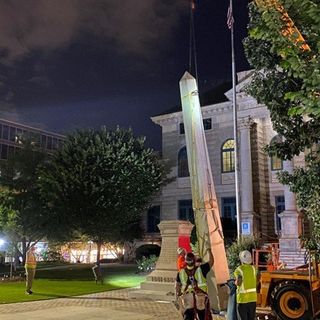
x: 290, y: 300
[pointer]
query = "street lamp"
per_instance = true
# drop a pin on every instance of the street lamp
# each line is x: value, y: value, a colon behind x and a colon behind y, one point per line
x: 2, y: 242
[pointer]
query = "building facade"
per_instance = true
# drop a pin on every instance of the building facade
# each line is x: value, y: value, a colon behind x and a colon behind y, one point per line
x: 11, y: 133
x: 268, y: 209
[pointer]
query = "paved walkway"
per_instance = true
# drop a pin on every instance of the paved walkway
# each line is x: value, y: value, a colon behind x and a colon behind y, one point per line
x: 111, y: 305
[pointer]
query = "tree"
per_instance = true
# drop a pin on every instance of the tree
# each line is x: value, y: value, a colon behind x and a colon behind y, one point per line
x: 100, y: 182
x: 287, y: 81
x: 21, y: 212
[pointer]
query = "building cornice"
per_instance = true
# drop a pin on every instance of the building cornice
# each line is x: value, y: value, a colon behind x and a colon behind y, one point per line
x: 177, y: 117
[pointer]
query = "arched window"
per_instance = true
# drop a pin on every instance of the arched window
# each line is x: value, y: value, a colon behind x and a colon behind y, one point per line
x: 183, y: 169
x: 276, y: 162
x: 227, y: 156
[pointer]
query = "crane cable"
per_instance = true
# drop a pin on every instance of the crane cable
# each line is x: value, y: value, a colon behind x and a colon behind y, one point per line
x: 192, y: 42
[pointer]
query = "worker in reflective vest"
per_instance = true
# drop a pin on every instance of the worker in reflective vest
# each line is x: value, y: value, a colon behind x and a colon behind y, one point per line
x: 181, y: 258
x: 246, y: 277
x: 30, y: 267
x: 191, y: 287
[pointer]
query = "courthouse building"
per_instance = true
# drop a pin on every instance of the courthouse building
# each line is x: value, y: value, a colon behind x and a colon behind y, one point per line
x: 268, y: 209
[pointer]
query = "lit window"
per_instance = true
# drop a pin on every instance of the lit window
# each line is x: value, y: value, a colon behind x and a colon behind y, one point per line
x: 276, y: 162
x: 227, y: 156
x: 183, y: 169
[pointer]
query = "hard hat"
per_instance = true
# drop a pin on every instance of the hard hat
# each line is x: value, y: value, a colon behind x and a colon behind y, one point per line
x: 245, y: 257
x: 180, y: 250
x: 190, y: 259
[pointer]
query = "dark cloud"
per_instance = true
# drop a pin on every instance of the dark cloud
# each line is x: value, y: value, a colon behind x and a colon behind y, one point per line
x: 133, y: 26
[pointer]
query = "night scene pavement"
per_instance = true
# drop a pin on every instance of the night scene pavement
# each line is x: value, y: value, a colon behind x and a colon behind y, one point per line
x: 110, y: 305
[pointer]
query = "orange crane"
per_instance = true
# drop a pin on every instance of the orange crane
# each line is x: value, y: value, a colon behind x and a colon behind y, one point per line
x: 289, y: 30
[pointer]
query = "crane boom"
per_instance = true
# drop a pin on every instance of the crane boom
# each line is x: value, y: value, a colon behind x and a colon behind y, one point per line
x: 206, y: 211
x: 290, y: 30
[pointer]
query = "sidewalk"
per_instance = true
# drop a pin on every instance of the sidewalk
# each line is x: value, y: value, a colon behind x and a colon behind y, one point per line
x: 110, y: 305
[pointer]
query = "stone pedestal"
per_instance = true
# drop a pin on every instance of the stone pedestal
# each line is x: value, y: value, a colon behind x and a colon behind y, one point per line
x: 159, y: 285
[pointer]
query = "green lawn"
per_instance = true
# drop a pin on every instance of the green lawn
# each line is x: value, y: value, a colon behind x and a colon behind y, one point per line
x: 69, y: 281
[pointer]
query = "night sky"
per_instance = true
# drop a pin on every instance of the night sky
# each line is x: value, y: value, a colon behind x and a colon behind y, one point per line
x: 67, y: 64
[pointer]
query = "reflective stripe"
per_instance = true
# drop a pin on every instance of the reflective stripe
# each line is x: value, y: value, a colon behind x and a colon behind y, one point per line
x: 242, y: 289
x: 254, y: 271
x: 248, y: 290
x: 198, y: 276
x: 202, y: 283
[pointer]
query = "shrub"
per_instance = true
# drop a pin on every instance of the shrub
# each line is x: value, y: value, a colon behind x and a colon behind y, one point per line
x: 147, y: 264
x: 235, y: 248
x: 109, y: 260
x: 52, y: 256
x: 147, y: 250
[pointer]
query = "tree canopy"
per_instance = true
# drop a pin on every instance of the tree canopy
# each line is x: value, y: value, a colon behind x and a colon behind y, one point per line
x: 22, y: 218
x: 100, y: 182
x: 287, y: 81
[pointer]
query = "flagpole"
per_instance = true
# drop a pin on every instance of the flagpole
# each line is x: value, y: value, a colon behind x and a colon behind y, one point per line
x: 235, y: 125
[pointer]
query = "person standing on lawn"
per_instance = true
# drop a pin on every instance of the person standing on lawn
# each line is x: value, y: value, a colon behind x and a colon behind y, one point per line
x: 30, y: 267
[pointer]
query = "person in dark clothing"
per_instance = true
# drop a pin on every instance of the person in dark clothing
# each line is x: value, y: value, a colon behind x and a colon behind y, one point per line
x: 191, y: 287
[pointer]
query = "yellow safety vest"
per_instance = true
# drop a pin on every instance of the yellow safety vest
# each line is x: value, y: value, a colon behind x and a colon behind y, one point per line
x: 247, y: 291
x: 198, y: 276
x: 31, y: 261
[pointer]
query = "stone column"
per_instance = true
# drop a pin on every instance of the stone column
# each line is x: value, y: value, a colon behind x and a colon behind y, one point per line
x: 290, y: 246
x: 246, y: 191
x: 159, y: 285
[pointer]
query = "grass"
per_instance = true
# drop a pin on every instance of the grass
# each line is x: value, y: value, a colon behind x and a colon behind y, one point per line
x: 70, y: 281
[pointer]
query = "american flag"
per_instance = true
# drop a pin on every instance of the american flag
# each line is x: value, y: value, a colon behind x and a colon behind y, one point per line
x: 230, y: 19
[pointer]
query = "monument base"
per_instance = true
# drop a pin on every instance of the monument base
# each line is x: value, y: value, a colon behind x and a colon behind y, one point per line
x: 159, y: 285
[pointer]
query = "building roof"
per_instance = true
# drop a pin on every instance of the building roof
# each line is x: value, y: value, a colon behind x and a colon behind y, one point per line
x: 30, y: 128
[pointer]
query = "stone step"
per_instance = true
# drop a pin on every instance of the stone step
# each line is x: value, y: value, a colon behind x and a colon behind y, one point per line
x: 157, y: 286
